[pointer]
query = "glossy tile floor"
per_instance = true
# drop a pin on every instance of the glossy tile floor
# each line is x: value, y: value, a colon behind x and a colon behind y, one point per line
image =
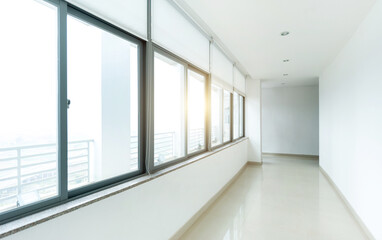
x: 285, y: 198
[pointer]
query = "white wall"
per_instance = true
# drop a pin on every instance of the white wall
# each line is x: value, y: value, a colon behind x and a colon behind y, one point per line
x: 290, y: 120
x: 253, y: 119
x: 153, y: 210
x: 351, y: 121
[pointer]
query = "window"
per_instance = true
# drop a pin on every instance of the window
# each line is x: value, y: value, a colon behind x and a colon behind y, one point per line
x: 73, y: 106
x: 169, y: 109
x: 28, y: 103
x: 241, y: 116
x: 196, y: 112
x: 103, y: 113
x: 227, y: 116
x: 216, y: 115
x: 236, y: 115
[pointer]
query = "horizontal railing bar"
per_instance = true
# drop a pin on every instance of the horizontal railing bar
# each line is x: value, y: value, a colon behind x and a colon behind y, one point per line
x: 40, y: 180
x: 37, y: 155
x: 81, y: 170
x: 164, y: 148
x: 74, y: 161
x: 7, y: 159
x: 39, y: 163
x: 15, y: 186
x: 43, y: 188
x: 9, y: 168
x: 77, y: 149
x: 76, y: 157
x: 29, y: 146
x: 8, y: 197
x: 164, y: 144
x: 81, y: 141
x: 8, y: 178
x: 77, y: 164
x: 42, y: 145
x: 82, y: 177
x: 39, y: 172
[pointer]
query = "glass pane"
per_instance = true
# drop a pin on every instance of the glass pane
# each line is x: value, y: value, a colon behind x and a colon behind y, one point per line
x: 216, y: 115
x: 196, y: 111
x: 241, y: 116
x: 169, y: 121
x: 103, y: 114
x: 236, y: 117
x: 227, y: 116
x: 28, y: 103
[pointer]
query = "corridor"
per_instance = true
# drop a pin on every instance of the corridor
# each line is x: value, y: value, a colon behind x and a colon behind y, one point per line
x: 285, y: 198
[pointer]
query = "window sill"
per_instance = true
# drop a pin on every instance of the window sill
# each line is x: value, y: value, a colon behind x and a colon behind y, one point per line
x: 51, y: 213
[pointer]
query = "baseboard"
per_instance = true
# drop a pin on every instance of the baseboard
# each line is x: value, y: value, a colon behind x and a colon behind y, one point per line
x: 255, y: 163
x: 290, y: 155
x: 368, y: 234
x: 193, y: 219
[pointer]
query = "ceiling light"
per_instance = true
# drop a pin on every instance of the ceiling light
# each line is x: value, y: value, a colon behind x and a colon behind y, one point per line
x: 286, y: 60
x: 285, y: 74
x: 285, y: 33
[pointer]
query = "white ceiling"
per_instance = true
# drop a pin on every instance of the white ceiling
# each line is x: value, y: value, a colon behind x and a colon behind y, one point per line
x: 251, y: 29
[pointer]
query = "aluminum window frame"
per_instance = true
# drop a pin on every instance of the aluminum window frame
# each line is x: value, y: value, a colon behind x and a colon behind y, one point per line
x: 222, y: 119
x: 187, y: 66
x: 233, y: 115
x: 64, y: 195
x: 23, y: 211
x: 146, y: 50
x: 206, y: 112
x: 242, y: 115
x: 243, y: 120
x: 105, y: 26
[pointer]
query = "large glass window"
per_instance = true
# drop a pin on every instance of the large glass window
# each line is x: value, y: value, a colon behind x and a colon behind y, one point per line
x: 169, y: 109
x: 102, y: 65
x: 216, y: 115
x: 227, y: 116
x: 196, y: 112
x: 28, y: 103
x: 103, y: 113
x: 236, y: 115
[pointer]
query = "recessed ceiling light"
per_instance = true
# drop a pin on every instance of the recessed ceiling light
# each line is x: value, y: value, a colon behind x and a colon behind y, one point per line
x: 286, y: 60
x: 285, y: 33
x: 285, y: 74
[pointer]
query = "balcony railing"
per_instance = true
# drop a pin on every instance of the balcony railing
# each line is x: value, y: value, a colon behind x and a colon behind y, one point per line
x: 29, y: 173
x: 196, y: 140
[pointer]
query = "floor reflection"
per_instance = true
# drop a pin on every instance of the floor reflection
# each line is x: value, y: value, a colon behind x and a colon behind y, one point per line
x: 285, y: 198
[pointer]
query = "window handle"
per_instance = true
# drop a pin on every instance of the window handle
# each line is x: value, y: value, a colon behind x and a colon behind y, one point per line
x: 68, y: 103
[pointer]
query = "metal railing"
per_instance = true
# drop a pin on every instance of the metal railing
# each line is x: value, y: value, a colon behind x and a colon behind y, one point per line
x: 29, y: 173
x: 196, y: 140
x: 164, y: 146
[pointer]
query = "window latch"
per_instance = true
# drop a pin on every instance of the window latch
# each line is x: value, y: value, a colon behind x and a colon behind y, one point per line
x: 68, y: 103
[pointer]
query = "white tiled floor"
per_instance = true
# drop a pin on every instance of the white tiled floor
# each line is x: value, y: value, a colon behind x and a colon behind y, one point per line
x: 285, y: 198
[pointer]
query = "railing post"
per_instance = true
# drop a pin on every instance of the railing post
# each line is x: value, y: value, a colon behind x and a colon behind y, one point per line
x: 18, y: 175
